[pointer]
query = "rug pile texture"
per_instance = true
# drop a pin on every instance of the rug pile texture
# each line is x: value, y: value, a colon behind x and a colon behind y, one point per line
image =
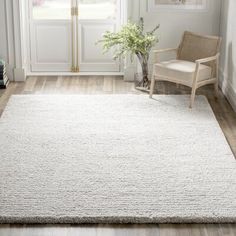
x: 114, y: 159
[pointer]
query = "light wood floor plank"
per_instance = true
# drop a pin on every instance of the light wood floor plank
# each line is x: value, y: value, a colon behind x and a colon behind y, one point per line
x: 115, y: 85
x: 168, y: 230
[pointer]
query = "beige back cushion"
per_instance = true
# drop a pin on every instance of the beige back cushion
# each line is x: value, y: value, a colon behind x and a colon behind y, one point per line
x: 194, y: 47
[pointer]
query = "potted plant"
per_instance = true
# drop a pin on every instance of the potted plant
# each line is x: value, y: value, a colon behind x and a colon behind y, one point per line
x: 132, y: 40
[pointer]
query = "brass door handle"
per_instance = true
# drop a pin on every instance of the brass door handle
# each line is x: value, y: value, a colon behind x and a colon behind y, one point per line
x: 75, y: 36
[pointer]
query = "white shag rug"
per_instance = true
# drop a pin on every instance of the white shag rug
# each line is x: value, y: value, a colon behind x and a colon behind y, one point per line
x: 114, y: 159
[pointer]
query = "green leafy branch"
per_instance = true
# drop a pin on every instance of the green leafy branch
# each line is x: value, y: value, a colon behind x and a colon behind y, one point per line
x: 131, y: 39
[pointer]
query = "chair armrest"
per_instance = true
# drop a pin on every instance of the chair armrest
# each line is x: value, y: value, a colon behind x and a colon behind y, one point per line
x: 204, y: 60
x: 165, y: 50
x: 208, y: 59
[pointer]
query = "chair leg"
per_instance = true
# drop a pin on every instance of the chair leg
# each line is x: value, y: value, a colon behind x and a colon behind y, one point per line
x: 195, y: 86
x: 192, y: 98
x: 152, y: 86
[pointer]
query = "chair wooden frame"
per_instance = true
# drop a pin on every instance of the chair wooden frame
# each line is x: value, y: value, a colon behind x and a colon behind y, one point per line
x: 196, y: 82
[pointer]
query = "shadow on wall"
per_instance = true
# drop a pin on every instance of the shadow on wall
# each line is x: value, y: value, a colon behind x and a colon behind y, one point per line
x: 228, y: 51
x: 231, y: 52
x: 234, y: 54
x: 230, y: 65
x: 226, y: 47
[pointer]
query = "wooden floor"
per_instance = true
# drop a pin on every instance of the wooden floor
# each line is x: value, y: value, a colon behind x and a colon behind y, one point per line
x: 115, y: 85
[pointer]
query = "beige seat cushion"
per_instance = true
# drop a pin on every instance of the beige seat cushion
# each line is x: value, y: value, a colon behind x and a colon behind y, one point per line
x: 180, y: 71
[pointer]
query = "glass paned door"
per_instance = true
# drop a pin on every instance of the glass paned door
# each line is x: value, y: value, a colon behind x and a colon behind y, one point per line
x: 98, y: 9
x: 60, y: 9
x: 64, y: 35
x: 51, y: 9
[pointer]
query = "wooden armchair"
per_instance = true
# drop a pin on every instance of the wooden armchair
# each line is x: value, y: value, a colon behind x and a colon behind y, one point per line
x: 196, y: 63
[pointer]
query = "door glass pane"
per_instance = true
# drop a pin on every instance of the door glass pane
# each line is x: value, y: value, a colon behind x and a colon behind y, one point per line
x: 97, y: 9
x: 51, y: 9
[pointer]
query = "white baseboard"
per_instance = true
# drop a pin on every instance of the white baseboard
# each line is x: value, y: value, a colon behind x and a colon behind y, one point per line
x: 19, y: 75
x: 228, y: 90
x: 10, y: 74
x: 75, y: 74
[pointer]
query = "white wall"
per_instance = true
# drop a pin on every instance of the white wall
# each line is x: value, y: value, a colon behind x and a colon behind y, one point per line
x: 3, y: 32
x: 11, y: 39
x: 228, y: 52
x: 6, y: 37
x: 174, y: 22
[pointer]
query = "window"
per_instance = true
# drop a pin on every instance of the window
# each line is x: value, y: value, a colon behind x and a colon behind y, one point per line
x: 51, y: 9
x: 194, y: 5
x: 60, y: 9
x: 97, y: 9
